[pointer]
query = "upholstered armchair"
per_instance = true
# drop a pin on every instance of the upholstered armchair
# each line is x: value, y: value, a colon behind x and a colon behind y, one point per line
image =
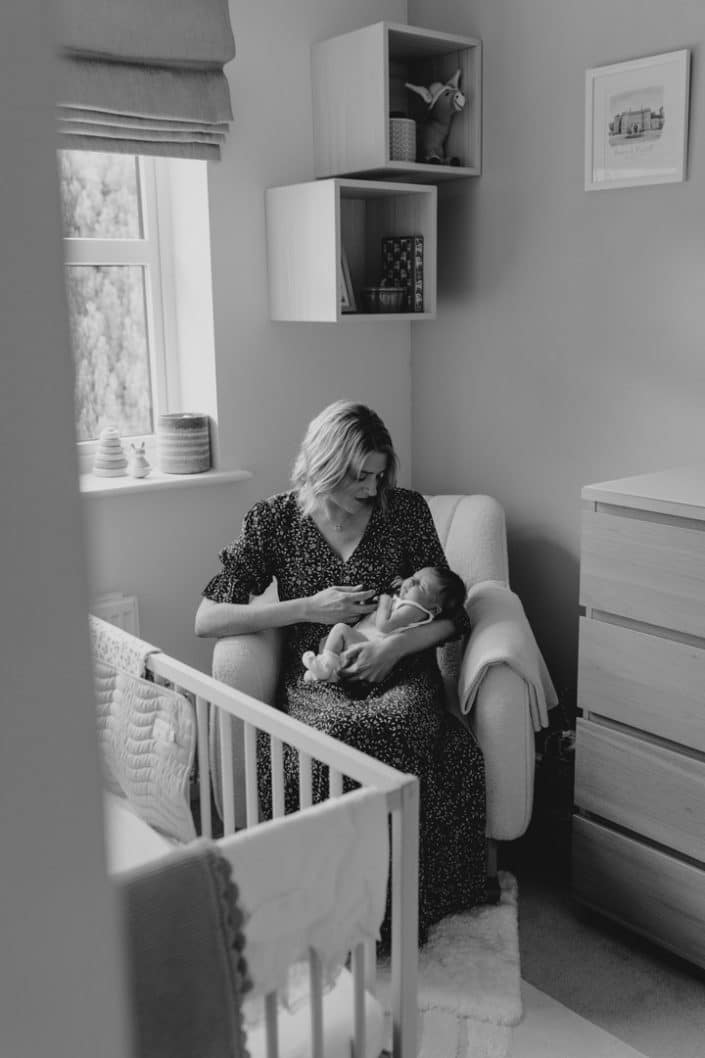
x: 473, y: 533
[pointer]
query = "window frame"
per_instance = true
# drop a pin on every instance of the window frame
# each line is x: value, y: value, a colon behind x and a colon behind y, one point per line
x: 153, y: 253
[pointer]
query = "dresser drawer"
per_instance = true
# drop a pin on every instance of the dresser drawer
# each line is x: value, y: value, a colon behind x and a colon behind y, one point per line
x: 642, y: 887
x: 652, y: 571
x: 642, y: 787
x: 645, y: 681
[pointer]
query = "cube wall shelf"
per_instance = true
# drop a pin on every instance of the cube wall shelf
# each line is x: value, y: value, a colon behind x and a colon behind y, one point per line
x: 309, y: 225
x: 358, y: 82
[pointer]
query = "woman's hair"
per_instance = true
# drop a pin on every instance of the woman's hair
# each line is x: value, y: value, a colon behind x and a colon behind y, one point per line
x: 336, y: 444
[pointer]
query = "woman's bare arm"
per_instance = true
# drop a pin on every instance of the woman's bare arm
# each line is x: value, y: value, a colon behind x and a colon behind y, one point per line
x: 374, y: 660
x: 328, y: 607
x: 217, y: 619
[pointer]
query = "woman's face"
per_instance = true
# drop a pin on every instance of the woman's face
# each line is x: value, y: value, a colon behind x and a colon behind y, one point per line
x: 359, y: 490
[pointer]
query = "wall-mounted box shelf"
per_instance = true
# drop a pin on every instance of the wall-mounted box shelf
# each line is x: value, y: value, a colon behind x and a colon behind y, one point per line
x: 309, y: 224
x: 358, y: 80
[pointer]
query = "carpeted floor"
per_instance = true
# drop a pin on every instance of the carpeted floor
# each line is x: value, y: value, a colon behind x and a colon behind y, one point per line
x: 641, y: 994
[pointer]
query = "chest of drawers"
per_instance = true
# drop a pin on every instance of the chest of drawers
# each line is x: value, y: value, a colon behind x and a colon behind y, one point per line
x: 638, y: 849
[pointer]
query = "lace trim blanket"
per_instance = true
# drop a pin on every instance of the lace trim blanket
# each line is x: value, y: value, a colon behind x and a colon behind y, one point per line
x: 186, y: 969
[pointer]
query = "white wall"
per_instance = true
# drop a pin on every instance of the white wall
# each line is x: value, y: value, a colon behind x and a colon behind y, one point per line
x: 569, y: 342
x: 272, y: 378
x: 61, y: 969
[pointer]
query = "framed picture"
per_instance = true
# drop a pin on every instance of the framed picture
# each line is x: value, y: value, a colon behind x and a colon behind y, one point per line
x: 347, y: 295
x: 636, y: 122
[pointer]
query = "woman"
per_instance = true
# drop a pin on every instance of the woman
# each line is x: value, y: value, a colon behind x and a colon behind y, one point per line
x: 341, y: 536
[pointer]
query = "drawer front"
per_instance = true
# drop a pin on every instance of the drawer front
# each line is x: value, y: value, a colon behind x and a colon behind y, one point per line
x: 642, y: 787
x: 645, y: 889
x: 645, y: 570
x: 645, y: 681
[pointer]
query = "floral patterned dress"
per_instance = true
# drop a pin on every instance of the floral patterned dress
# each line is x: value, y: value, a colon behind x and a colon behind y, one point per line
x: 401, y: 721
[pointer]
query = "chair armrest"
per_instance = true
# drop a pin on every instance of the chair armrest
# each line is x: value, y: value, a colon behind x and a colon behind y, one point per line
x: 501, y: 722
x: 249, y: 663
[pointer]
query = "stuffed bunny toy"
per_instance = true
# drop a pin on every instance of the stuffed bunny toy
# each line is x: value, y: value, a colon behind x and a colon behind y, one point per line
x: 444, y: 101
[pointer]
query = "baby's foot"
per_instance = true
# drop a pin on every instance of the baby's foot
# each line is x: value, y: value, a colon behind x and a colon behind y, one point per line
x: 320, y: 666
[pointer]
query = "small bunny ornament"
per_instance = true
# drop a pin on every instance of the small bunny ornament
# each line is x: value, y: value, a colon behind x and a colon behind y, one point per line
x: 444, y: 101
x: 139, y: 464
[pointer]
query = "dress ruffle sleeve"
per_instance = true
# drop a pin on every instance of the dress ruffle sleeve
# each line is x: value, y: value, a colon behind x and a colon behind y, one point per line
x: 427, y: 550
x: 249, y: 562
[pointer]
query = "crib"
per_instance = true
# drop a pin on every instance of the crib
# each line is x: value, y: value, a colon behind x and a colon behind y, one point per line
x: 209, y: 698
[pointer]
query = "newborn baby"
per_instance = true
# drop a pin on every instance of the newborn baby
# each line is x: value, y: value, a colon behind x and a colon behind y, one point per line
x: 429, y: 593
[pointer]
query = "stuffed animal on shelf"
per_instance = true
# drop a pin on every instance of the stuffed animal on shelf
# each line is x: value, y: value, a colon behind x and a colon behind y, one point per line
x: 444, y: 101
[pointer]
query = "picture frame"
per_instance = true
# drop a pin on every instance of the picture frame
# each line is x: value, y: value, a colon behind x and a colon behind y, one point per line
x: 347, y: 294
x: 636, y: 122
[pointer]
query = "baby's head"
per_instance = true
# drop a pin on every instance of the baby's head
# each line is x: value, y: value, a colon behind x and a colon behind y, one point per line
x: 437, y: 589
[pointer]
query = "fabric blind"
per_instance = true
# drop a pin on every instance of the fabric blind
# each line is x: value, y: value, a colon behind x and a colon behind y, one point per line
x: 144, y: 76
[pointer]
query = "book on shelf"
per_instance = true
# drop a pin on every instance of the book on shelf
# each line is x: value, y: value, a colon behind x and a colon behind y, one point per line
x: 402, y: 266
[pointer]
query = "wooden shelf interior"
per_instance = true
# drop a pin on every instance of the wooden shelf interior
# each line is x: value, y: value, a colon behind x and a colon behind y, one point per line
x: 367, y: 215
x: 421, y: 59
x: 359, y: 80
x: 308, y: 224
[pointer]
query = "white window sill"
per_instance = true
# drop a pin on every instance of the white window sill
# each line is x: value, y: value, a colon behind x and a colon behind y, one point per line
x: 92, y: 485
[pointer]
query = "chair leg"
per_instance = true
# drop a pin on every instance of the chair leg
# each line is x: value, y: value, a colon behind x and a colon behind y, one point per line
x: 492, y: 891
x: 492, y: 857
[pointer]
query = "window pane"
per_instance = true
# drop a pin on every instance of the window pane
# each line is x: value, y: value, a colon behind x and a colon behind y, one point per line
x: 100, y: 195
x: 111, y: 355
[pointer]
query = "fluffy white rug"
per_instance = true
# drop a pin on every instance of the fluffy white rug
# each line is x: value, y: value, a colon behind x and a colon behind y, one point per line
x: 469, y: 981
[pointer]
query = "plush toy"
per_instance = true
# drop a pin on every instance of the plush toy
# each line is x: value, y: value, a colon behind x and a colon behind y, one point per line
x: 444, y: 101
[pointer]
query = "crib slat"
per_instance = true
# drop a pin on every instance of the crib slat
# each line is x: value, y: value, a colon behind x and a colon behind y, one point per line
x: 271, y: 1025
x: 204, y: 785
x: 370, y: 966
x: 251, y: 795
x: 358, y: 968
x: 335, y: 782
x: 305, y: 780
x: 314, y: 965
x: 277, y: 759
x: 226, y: 766
x: 405, y: 896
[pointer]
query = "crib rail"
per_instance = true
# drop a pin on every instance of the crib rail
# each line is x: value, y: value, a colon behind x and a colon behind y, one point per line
x: 402, y: 799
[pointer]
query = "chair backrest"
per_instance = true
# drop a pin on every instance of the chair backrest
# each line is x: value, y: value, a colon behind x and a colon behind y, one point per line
x: 473, y: 532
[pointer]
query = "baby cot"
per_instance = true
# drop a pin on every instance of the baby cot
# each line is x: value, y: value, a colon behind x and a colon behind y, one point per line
x: 131, y: 840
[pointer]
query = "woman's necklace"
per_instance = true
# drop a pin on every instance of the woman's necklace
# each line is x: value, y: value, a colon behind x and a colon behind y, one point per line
x: 341, y: 524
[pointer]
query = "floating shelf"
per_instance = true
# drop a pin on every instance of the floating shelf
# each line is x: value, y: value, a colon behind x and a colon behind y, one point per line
x: 359, y: 79
x: 309, y: 224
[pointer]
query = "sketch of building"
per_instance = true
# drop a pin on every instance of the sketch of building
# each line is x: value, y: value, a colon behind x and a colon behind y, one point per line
x: 636, y: 122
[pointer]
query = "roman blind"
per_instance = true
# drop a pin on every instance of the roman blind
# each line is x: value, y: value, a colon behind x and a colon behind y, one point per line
x: 144, y: 76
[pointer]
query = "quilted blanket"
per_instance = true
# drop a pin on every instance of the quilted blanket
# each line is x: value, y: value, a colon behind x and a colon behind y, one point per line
x: 146, y: 734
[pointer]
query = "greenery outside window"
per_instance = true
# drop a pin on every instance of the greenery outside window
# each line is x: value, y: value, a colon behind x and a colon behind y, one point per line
x: 119, y: 284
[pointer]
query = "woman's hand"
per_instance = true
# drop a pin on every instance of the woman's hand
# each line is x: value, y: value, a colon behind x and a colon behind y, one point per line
x: 371, y: 661
x: 344, y: 602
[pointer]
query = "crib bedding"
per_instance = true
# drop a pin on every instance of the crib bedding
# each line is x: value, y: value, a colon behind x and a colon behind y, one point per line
x: 129, y: 841
x: 132, y: 843
x: 295, y: 1025
x: 146, y: 733
x: 315, y: 879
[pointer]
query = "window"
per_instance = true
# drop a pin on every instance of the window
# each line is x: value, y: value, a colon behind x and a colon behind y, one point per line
x: 116, y: 228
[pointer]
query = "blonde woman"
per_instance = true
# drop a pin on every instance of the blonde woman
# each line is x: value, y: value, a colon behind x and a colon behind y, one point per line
x: 339, y: 538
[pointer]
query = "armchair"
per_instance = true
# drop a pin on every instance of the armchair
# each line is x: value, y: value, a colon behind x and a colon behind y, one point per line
x: 473, y: 533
